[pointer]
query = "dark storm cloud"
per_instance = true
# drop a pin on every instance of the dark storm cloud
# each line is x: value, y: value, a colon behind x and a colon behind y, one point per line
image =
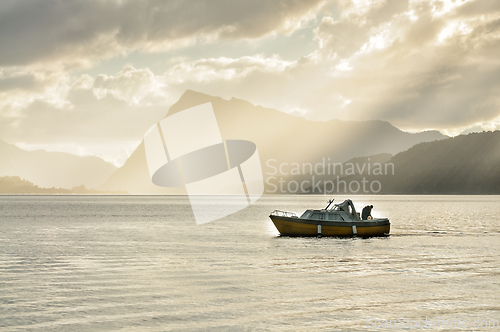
x: 35, y: 30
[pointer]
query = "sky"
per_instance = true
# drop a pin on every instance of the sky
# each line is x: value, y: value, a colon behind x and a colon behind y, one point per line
x: 89, y: 77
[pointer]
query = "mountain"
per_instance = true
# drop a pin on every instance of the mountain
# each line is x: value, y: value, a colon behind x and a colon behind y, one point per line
x: 280, y: 138
x: 379, y: 158
x: 53, y: 169
x: 465, y: 164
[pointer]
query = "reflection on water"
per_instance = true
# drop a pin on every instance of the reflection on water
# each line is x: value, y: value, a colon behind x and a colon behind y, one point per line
x: 76, y: 263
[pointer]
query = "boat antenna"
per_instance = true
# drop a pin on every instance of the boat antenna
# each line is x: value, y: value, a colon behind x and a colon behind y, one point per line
x: 330, y: 201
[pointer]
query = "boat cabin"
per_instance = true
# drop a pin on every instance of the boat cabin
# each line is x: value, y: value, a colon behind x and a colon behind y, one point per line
x: 344, y: 211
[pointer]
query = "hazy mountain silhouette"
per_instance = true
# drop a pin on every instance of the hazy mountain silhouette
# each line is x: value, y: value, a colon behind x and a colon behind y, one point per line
x: 16, y: 185
x: 379, y: 158
x: 466, y: 164
x: 279, y: 136
x: 53, y: 169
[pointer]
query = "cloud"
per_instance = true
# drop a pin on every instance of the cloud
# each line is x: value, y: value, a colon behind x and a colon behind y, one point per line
x: 34, y: 31
x: 424, y: 65
x: 139, y: 87
x: 80, y: 32
x: 417, y: 64
x: 19, y: 87
x: 58, y: 110
x: 214, y: 69
x: 106, y: 109
x: 88, y: 120
x: 17, y: 82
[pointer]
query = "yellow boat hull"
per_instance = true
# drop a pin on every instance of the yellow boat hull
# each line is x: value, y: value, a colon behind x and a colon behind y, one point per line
x: 291, y: 226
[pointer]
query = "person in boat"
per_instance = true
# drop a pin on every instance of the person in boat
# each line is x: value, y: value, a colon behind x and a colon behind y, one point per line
x: 367, y: 212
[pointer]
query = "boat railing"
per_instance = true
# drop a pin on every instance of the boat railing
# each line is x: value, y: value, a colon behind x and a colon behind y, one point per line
x: 280, y: 213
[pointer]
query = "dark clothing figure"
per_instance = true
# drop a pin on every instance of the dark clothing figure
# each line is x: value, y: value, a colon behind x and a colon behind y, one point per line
x: 367, y: 212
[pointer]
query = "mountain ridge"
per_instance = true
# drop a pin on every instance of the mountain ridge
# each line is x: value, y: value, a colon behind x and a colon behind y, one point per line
x: 278, y: 136
x: 465, y: 164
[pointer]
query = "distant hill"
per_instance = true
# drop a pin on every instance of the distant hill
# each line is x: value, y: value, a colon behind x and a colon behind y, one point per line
x: 278, y: 136
x: 379, y: 158
x: 466, y: 164
x: 341, y: 171
x: 16, y: 185
x: 53, y: 169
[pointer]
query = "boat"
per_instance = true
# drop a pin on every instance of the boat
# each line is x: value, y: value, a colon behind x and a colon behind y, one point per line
x: 341, y: 220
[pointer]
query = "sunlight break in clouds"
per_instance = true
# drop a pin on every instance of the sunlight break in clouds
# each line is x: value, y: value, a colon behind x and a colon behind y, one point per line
x: 70, y: 71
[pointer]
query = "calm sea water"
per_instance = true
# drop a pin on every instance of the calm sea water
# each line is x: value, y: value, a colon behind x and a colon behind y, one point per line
x: 140, y: 263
